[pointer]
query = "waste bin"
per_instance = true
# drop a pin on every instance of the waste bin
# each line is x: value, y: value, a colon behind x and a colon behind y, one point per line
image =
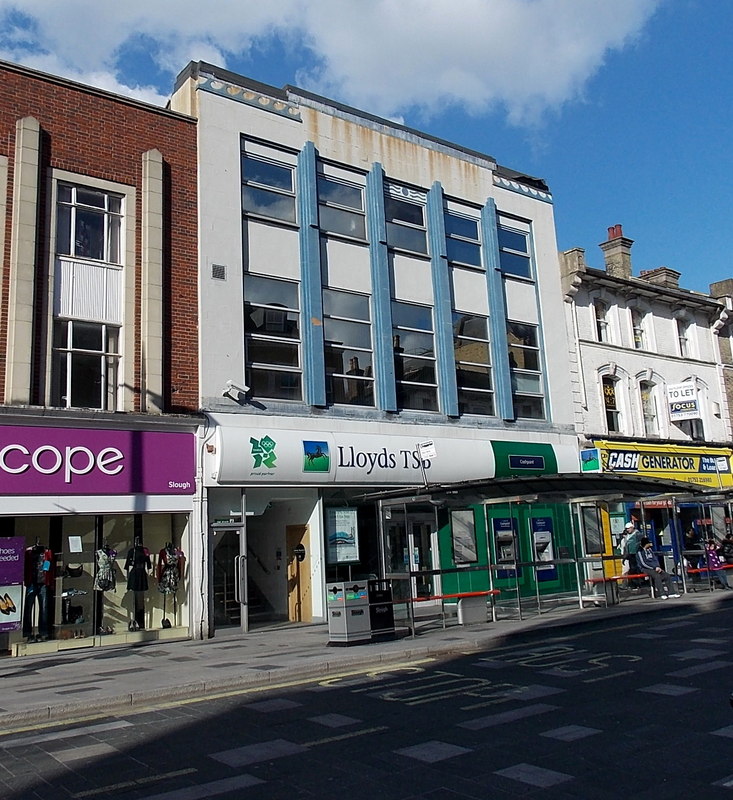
x: 381, y: 609
x: 348, y: 613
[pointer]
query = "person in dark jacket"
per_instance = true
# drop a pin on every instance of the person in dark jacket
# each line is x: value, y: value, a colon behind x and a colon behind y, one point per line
x: 726, y: 548
x: 663, y: 582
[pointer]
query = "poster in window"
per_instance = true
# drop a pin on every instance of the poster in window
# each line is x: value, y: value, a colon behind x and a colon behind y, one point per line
x: 463, y: 534
x: 12, y: 560
x: 342, y: 533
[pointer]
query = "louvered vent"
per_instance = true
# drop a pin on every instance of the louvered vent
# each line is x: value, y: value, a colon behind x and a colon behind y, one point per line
x: 219, y: 271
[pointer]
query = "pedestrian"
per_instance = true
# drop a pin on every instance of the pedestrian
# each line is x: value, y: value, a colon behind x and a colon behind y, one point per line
x: 726, y: 548
x: 716, y: 571
x: 663, y: 582
x: 633, y: 539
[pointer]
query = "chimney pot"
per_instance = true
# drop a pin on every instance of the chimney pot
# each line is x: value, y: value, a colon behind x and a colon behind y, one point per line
x: 617, y: 231
x: 612, y: 232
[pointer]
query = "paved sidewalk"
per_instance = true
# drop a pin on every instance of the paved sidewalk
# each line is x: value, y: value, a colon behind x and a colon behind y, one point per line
x: 64, y: 686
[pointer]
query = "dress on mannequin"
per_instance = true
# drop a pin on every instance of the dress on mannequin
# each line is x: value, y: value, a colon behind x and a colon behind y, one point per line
x: 137, y: 566
x: 39, y: 576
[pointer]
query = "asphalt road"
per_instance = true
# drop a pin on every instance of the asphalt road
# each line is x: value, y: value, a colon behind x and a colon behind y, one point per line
x: 634, y: 708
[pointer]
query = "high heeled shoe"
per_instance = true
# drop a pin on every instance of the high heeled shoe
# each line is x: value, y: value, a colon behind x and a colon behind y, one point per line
x: 9, y: 603
x: 4, y: 607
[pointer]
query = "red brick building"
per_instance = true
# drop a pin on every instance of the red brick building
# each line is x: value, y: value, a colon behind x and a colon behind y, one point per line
x: 98, y: 350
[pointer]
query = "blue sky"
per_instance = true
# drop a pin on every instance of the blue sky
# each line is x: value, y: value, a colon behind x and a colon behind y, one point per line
x: 624, y: 107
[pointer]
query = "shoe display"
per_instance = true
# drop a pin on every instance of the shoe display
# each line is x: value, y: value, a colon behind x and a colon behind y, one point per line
x: 9, y: 603
x: 664, y: 597
x: 675, y: 595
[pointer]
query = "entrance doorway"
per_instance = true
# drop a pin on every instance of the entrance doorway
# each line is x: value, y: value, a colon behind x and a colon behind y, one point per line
x: 227, y: 607
x: 297, y: 541
x: 411, y: 552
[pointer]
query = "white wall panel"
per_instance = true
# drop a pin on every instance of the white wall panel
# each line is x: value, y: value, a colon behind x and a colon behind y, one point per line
x: 470, y: 291
x: 346, y: 266
x: 521, y: 301
x: 412, y: 279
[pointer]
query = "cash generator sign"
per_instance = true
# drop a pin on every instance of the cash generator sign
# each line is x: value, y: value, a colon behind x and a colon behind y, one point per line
x: 70, y: 461
x: 689, y: 466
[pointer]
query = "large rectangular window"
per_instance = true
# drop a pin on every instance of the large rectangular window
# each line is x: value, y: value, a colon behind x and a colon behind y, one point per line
x: 405, y: 222
x: 414, y: 356
x: 85, y: 365
x: 526, y: 371
x: 341, y: 208
x: 514, y: 252
x: 88, y: 224
x: 473, y: 363
x: 268, y: 188
x: 348, y: 343
x: 272, y: 337
x: 463, y: 243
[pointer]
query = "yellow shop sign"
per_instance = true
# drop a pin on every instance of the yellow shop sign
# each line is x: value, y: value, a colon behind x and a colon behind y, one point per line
x: 710, y: 466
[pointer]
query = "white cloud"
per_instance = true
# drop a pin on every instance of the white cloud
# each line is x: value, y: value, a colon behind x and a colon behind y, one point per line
x: 387, y: 56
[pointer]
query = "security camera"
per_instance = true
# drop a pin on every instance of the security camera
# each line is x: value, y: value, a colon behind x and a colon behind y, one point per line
x: 235, y: 388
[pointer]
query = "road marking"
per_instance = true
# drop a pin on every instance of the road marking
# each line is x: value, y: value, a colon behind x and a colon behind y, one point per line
x: 144, y: 708
x: 609, y: 677
x: 66, y: 734
x: 344, y: 736
x: 113, y: 787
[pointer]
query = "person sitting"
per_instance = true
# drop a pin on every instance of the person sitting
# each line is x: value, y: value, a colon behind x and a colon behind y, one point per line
x: 663, y: 582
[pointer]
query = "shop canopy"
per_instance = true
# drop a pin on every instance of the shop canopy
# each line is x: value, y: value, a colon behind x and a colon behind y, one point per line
x: 562, y: 488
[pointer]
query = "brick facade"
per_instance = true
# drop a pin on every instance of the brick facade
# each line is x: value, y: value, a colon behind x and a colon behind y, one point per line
x: 103, y: 136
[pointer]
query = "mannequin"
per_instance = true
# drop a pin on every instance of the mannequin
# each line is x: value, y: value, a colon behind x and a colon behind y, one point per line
x: 171, y: 562
x: 137, y: 566
x: 104, y: 580
x: 39, y: 576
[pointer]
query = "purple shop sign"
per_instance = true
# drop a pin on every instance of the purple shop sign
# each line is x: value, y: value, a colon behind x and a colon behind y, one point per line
x: 74, y: 461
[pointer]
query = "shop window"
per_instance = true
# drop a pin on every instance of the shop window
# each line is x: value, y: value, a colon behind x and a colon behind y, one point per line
x: 514, y: 252
x: 85, y: 365
x: 348, y: 343
x: 462, y: 239
x: 268, y: 188
x: 414, y: 356
x: 272, y: 337
x: 525, y: 370
x: 647, y: 392
x: 405, y: 222
x: 610, y: 403
x: 110, y: 575
x: 341, y: 208
x: 473, y: 363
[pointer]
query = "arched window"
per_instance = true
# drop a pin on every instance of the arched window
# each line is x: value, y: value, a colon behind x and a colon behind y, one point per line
x: 601, y: 313
x: 649, y: 408
x: 611, y: 404
x: 638, y: 330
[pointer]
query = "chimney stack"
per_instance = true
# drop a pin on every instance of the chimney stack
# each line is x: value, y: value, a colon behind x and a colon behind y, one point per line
x: 617, y: 253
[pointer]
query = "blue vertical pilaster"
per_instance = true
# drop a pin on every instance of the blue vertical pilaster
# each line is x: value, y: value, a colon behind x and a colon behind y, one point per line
x: 311, y: 299
x: 384, y: 371
x: 442, y: 303
x: 497, y: 313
